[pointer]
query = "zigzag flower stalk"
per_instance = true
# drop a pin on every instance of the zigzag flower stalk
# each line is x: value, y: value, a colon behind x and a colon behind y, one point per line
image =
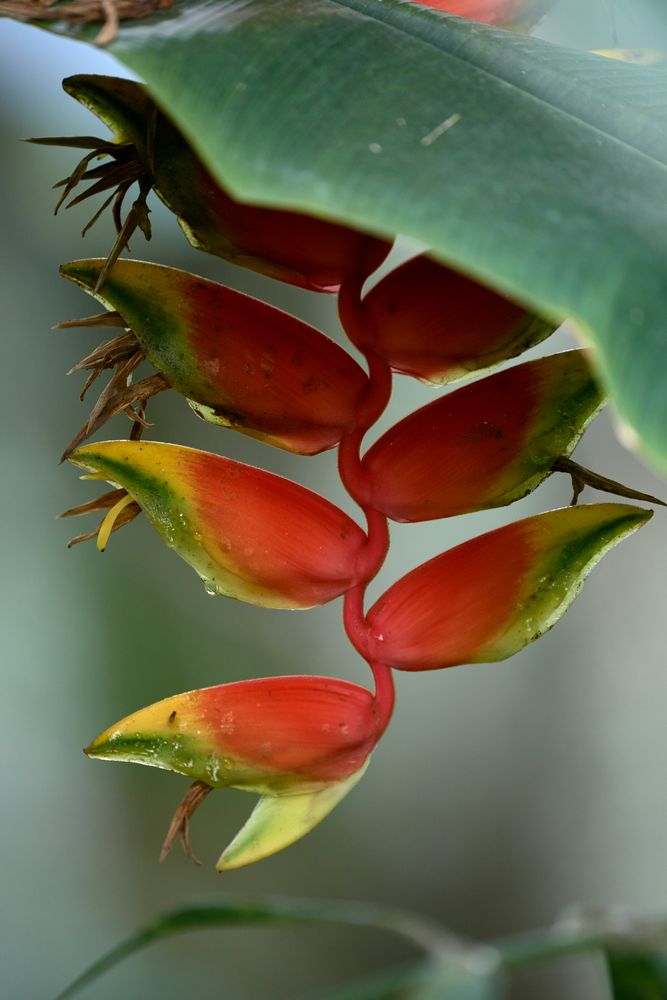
x: 301, y: 743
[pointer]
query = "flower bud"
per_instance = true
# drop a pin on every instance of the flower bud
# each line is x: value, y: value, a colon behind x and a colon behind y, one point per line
x: 301, y: 743
x: 290, y: 246
x: 488, y: 598
x: 249, y: 534
x: 485, y: 445
x: 428, y: 321
x: 239, y: 362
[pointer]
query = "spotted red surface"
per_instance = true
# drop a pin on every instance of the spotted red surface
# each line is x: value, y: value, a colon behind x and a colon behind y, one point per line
x: 459, y: 453
x: 272, y: 531
x: 318, y: 726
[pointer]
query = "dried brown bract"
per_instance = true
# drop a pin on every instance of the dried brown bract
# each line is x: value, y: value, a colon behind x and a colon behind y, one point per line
x: 109, y: 12
x: 122, y: 355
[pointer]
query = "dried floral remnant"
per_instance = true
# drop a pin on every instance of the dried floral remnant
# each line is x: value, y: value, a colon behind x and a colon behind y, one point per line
x: 109, y: 12
x: 119, y: 172
x: 120, y: 509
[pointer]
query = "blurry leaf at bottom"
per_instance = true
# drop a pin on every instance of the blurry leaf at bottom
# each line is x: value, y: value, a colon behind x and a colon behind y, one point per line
x: 420, y: 981
x: 638, y: 976
x: 435, y: 979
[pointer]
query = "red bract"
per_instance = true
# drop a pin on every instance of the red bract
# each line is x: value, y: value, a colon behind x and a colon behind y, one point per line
x: 239, y: 362
x: 294, y: 247
x: 249, y: 534
x: 486, y: 444
x: 274, y: 735
x: 289, y: 246
x: 488, y: 598
x: 428, y: 321
x: 301, y: 743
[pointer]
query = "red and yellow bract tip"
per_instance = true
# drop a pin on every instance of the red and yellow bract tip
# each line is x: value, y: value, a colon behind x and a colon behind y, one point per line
x: 291, y: 246
x: 301, y: 743
x: 428, y: 321
x: 239, y: 362
x: 488, y: 598
x: 248, y: 533
x: 486, y: 444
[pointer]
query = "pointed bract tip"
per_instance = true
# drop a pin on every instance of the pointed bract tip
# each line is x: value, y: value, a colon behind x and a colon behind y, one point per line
x: 276, y: 822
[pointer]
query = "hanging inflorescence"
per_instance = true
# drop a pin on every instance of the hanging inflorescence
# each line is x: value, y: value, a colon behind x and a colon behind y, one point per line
x: 302, y: 742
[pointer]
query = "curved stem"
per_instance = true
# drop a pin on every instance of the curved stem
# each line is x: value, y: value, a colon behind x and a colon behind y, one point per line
x: 354, y: 619
x: 385, y: 694
x: 370, y: 406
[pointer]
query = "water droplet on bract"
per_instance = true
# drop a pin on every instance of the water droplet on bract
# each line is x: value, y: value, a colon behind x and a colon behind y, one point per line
x: 210, y: 588
x: 227, y: 763
x: 227, y: 724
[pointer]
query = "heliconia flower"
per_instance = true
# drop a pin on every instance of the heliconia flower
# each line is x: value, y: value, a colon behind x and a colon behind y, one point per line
x: 486, y: 444
x: 488, y: 598
x: 428, y: 321
x: 240, y: 363
x: 507, y: 13
x: 301, y: 743
x: 249, y: 534
x: 148, y: 149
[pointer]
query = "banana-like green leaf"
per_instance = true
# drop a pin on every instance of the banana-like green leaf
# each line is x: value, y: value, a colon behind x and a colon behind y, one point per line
x: 537, y: 169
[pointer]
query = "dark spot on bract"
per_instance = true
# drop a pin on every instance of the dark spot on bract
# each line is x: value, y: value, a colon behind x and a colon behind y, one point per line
x: 172, y: 717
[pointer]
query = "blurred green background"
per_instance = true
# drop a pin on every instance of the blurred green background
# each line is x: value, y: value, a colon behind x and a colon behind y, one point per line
x: 501, y: 795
